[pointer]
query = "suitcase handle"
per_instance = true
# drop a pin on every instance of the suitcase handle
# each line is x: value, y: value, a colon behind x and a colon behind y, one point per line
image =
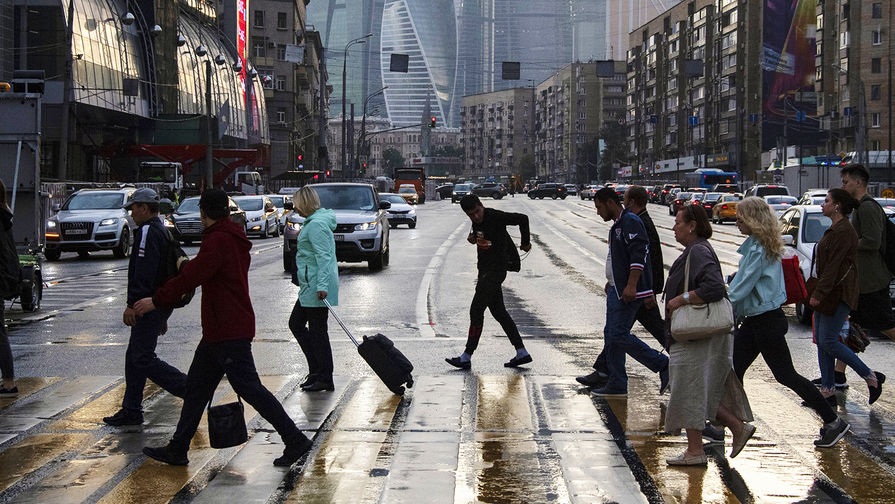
x: 339, y: 320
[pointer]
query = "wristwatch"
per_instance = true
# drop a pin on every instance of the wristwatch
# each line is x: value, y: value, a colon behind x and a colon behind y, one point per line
x: 687, y: 297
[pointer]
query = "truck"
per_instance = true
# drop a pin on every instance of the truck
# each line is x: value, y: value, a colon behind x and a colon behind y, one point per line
x: 245, y: 182
x: 412, y: 176
x: 164, y: 175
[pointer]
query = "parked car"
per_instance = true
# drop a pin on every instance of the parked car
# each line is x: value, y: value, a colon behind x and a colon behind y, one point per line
x: 400, y: 211
x: 548, y: 190
x: 571, y: 189
x: 780, y: 203
x: 588, y: 192
x: 445, y: 190
x: 490, y: 189
x: 725, y: 208
x: 813, y: 197
x: 261, y: 215
x: 362, y: 231
x: 802, y: 227
x: 408, y: 192
x: 762, y: 190
x: 460, y: 190
x: 185, y: 224
x: 679, y: 200
x: 279, y: 201
x: 91, y: 220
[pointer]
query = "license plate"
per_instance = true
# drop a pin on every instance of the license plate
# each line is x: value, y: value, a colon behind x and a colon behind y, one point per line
x: 339, y: 237
x: 77, y: 231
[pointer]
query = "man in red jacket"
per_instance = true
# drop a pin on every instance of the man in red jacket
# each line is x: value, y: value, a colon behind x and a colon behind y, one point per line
x: 228, y: 325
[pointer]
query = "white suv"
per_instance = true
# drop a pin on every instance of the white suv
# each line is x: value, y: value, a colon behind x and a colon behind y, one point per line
x: 91, y: 220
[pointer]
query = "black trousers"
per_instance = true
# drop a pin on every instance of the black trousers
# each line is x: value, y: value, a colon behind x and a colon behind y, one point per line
x: 651, y: 320
x: 233, y: 358
x: 765, y: 334
x: 309, y: 327
x: 141, y: 362
x: 489, y: 294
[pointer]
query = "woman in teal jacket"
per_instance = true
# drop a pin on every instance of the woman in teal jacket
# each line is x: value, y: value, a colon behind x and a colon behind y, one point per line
x: 756, y: 292
x: 318, y: 279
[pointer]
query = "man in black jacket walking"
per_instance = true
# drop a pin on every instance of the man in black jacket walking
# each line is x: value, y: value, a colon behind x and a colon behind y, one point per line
x: 495, y: 250
x: 140, y: 361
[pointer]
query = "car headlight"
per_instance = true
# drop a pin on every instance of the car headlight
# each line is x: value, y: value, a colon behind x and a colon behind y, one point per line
x: 366, y: 226
x: 108, y: 222
x: 51, y: 224
x: 412, y: 211
x: 255, y: 219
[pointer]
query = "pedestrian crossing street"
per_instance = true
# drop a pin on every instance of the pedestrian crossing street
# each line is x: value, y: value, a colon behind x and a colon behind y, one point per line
x: 456, y: 438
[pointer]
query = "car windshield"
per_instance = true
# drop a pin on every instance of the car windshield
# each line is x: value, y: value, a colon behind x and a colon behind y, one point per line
x: 683, y: 195
x: 461, y: 187
x: 731, y: 198
x: 250, y: 204
x: 712, y: 196
x: 407, y: 190
x: 776, y: 200
x: 764, y: 191
x: 345, y: 197
x: 697, y: 196
x: 95, y: 201
x: 189, y: 206
x: 278, y: 201
x: 392, y: 198
x: 815, y: 226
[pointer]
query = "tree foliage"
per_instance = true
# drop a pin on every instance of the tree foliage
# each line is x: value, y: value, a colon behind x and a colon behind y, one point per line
x: 392, y: 159
x: 615, y: 151
x: 525, y: 165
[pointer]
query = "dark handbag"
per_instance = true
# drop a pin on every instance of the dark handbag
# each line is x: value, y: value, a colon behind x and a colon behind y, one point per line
x: 227, y: 425
x: 857, y: 339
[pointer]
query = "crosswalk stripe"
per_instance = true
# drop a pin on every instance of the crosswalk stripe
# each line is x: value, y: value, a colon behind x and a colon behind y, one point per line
x: 27, y: 386
x: 503, y: 404
x: 32, y: 453
x: 22, y: 417
x: 437, y: 404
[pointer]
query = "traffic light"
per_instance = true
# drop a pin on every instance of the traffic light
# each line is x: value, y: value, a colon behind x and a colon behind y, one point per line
x: 327, y: 173
x: 301, y: 160
x: 363, y: 168
x: 432, y: 122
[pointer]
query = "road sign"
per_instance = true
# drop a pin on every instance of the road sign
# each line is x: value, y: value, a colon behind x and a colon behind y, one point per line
x: 847, y: 111
x: 753, y: 118
x: 693, y: 120
x: 887, y: 193
x: 800, y: 115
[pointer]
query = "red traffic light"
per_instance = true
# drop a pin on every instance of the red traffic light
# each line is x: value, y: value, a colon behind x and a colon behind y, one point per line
x: 316, y: 176
x: 301, y: 157
x: 327, y: 173
x: 432, y: 122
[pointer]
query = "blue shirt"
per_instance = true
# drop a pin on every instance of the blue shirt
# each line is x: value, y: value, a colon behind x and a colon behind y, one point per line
x: 758, y: 286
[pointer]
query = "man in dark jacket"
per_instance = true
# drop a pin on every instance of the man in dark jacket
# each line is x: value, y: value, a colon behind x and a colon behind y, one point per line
x: 629, y: 282
x: 495, y: 248
x: 228, y: 325
x: 649, y: 315
x: 140, y: 360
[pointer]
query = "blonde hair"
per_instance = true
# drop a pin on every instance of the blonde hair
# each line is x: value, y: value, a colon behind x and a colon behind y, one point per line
x: 762, y: 222
x: 306, y: 201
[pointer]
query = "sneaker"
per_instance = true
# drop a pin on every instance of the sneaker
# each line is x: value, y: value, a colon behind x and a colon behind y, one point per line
x: 607, y: 392
x: 167, y: 455
x: 739, y: 442
x: 518, y: 361
x: 829, y: 437
x: 830, y: 400
x: 594, y: 379
x: 876, y: 391
x: 293, y: 452
x: 9, y: 392
x: 309, y: 379
x: 687, y: 460
x: 457, y: 363
x: 319, y: 385
x: 124, y: 417
x: 713, y: 434
x: 663, y: 380
x: 839, y: 381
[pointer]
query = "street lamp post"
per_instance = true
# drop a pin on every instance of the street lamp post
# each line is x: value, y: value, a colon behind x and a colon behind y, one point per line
x: 363, y: 123
x: 360, y: 40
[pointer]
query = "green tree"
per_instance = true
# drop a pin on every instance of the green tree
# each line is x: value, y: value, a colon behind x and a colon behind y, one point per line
x: 526, y: 167
x: 448, y: 151
x: 615, y: 151
x: 392, y: 159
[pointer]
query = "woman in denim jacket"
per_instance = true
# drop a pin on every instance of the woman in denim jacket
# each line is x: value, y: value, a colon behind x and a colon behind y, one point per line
x: 756, y: 292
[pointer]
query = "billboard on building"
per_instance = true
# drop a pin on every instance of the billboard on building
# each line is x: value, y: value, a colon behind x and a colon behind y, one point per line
x: 788, y: 73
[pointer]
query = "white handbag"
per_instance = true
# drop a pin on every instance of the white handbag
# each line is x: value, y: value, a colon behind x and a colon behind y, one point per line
x: 695, y: 322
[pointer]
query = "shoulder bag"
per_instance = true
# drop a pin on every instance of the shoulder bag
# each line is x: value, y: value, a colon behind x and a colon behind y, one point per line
x: 695, y: 322
x: 227, y: 425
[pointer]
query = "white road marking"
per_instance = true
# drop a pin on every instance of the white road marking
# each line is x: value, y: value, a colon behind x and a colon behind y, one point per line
x: 422, y: 296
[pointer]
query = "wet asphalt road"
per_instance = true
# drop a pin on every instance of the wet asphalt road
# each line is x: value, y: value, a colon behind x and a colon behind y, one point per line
x: 489, y: 435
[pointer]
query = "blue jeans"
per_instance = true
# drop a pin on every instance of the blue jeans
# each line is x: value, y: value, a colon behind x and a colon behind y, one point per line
x: 619, y: 342
x: 829, y: 348
x: 141, y: 362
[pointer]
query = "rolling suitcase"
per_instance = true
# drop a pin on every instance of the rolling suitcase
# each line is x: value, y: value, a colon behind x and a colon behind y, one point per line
x: 384, y: 358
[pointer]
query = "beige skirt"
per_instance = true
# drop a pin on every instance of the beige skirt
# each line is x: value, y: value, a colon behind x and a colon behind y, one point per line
x: 702, y: 378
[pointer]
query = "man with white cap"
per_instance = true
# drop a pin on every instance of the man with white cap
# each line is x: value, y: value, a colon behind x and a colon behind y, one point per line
x: 140, y: 362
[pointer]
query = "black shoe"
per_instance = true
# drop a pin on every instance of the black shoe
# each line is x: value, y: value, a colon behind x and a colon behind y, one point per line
x: 124, y: 417
x: 829, y: 437
x: 663, y: 380
x: 167, y: 455
x: 712, y: 434
x: 839, y: 381
x: 595, y: 379
x: 311, y: 378
x: 292, y: 453
x: 457, y: 363
x: 876, y: 391
x: 517, y: 361
x: 607, y: 392
x: 320, y: 385
x: 9, y: 392
x: 830, y: 400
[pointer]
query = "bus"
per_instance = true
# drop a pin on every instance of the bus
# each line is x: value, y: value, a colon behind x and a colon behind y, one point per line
x: 708, y: 177
x: 414, y: 176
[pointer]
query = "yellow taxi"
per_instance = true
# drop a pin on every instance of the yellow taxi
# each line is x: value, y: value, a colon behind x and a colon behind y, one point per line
x: 725, y: 208
x: 408, y: 192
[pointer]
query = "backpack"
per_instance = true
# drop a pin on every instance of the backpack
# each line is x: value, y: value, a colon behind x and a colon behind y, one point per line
x: 10, y: 269
x: 172, y: 263
x: 887, y: 248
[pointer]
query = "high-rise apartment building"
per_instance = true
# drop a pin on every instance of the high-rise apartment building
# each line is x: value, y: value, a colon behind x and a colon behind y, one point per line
x: 571, y: 107
x: 498, y: 128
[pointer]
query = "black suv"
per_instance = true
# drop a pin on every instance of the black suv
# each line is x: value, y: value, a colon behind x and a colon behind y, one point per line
x: 548, y: 190
x: 491, y: 189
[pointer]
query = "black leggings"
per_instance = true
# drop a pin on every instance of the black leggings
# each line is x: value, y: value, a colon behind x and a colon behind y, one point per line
x: 765, y: 334
x: 489, y: 294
